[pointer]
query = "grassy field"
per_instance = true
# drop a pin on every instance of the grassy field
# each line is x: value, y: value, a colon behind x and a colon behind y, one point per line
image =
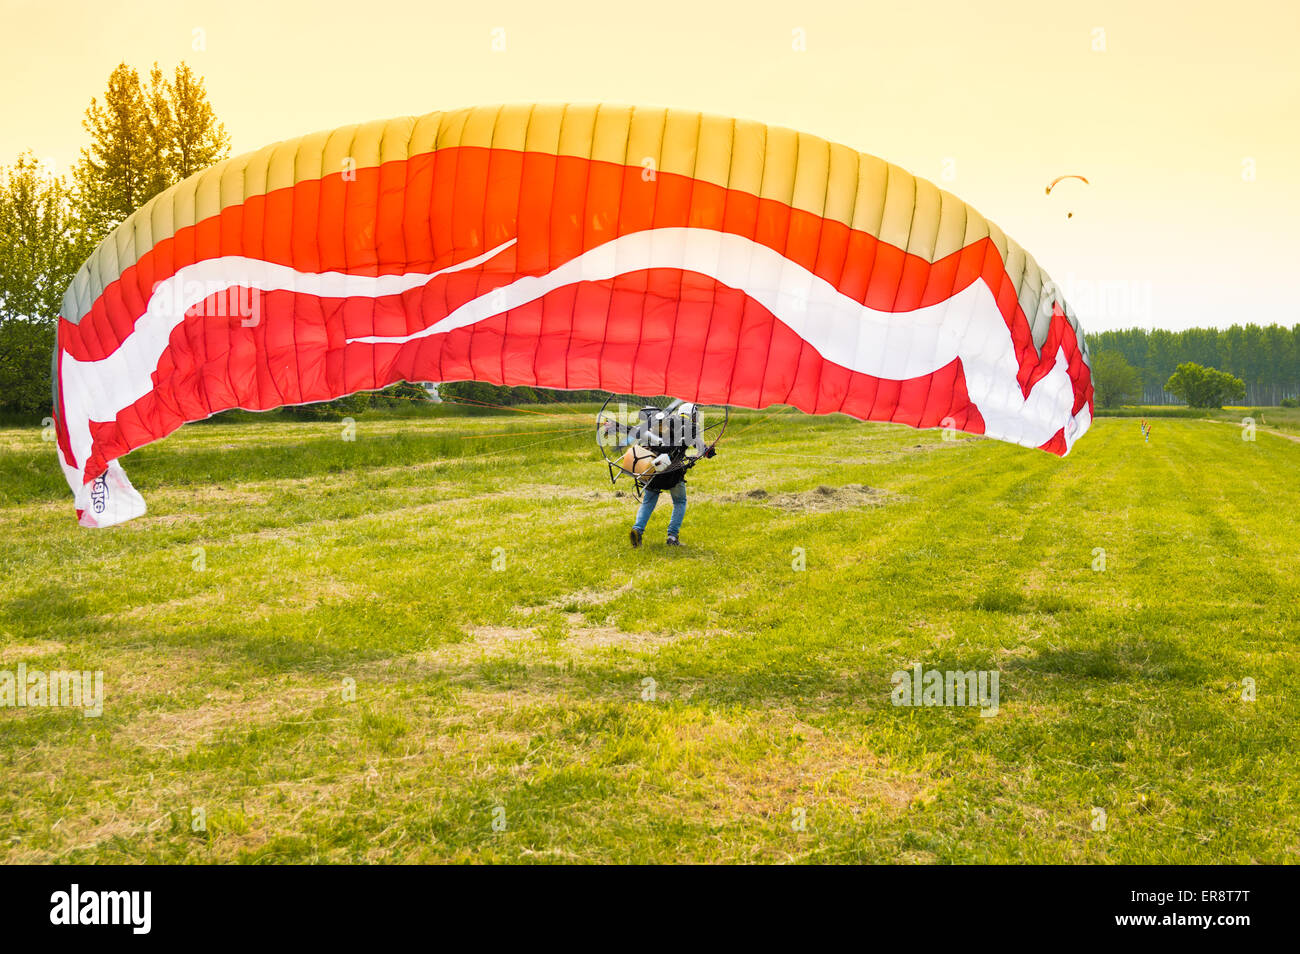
x: 433, y: 643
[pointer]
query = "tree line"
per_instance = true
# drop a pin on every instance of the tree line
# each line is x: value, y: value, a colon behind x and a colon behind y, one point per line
x: 1265, y: 357
x: 494, y: 395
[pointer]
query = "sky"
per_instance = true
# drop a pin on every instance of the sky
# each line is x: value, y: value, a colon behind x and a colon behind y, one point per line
x: 1184, y: 116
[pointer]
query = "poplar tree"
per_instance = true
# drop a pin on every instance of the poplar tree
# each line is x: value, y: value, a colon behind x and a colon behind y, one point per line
x: 121, y: 169
x: 144, y: 137
x: 198, y: 139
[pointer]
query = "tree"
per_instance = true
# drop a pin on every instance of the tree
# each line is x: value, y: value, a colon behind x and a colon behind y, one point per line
x: 401, y: 394
x: 1256, y: 360
x: 1162, y: 358
x: 123, y: 166
x: 475, y: 393
x: 197, y: 139
x: 350, y: 405
x: 1293, y: 372
x: 1277, y: 346
x: 1204, y: 387
x: 144, y: 139
x: 1114, y: 380
x: 42, y: 244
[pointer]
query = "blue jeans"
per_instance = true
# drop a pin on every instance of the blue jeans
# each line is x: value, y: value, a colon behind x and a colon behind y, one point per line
x: 651, y: 498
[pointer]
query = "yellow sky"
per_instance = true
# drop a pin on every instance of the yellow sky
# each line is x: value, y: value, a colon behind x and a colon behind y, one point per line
x: 990, y: 100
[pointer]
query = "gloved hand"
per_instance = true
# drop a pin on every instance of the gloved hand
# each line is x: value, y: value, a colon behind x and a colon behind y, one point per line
x: 661, y: 463
x: 710, y: 453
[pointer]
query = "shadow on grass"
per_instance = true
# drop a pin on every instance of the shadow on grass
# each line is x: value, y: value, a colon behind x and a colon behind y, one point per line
x: 1139, y: 660
x: 312, y: 457
x: 29, y: 476
x: 50, y: 612
x: 1002, y: 599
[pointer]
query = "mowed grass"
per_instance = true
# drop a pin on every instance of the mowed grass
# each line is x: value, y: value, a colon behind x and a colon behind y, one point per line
x: 433, y: 643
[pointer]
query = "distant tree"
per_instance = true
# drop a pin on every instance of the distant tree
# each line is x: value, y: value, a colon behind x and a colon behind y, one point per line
x: 350, y: 405
x: 493, y: 395
x: 1199, y: 386
x: 1162, y: 358
x: 1292, y: 386
x: 42, y: 244
x: 1256, y: 361
x: 1278, y: 346
x: 1114, y: 380
x: 553, y: 396
x: 473, y: 392
x: 401, y: 394
x: 1232, y: 350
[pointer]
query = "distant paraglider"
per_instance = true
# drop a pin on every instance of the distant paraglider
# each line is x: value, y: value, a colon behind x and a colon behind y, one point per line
x: 1052, y: 185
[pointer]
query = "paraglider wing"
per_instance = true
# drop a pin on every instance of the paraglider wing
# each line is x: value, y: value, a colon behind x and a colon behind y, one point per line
x: 637, y: 251
x: 1052, y: 185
